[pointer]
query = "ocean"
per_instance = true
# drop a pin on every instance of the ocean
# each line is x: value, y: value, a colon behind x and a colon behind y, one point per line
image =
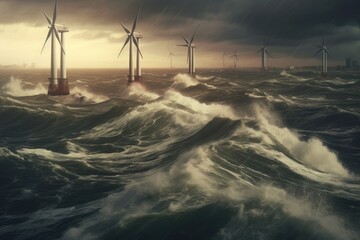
x: 232, y: 154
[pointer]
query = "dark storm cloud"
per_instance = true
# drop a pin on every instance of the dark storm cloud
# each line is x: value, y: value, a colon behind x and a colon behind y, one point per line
x: 294, y: 19
x: 284, y: 22
x: 286, y: 19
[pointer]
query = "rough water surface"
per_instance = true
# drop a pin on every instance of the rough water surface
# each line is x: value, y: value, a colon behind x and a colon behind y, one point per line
x: 226, y: 155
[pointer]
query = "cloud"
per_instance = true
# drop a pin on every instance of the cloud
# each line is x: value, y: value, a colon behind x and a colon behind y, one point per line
x: 287, y: 24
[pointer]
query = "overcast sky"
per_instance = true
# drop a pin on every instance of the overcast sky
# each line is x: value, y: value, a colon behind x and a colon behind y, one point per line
x: 96, y: 36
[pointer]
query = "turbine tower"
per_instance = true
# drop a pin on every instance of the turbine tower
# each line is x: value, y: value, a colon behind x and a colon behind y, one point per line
x: 131, y: 39
x: 235, y: 57
x: 264, y: 56
x: 171, y: 55
x: 191, y: 52
x: 223, y: 59
x: 138, y: 76
x: 325, y: 52
x: 63, y: 80
x: 53, y: 32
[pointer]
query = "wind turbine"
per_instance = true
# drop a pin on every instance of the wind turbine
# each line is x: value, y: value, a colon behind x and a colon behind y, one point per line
x: 235, y: 57
x: 191, y: 51
x: 171, y: 55
x: 325, y: 53
x: 264, y: 58
x: 131, y: 39
x: 53, y: 32
x: 223, y: 59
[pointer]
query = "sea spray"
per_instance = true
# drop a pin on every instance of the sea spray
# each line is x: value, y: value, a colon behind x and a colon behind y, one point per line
x: 17, y: 87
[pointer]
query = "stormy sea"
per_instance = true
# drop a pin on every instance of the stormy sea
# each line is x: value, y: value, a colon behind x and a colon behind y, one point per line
x: 227, y: 155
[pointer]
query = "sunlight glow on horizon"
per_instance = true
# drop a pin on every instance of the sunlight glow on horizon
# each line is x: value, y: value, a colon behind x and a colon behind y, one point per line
x: 20, y: 43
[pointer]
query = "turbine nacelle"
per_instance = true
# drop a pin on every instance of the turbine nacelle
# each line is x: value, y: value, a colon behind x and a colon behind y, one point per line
x: 170, y: 53
x: 62, y: 28
x: 322, y: 48
x: 264, y: 49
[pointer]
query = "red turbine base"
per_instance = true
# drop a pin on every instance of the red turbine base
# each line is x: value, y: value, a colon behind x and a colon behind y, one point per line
x: 61, y: 89
x: 137, y: 80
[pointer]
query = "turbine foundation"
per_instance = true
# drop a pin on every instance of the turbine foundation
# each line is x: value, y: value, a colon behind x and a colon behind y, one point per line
x: 138, y: 78
x: 60, y: 89
x: 63, y: 87
x: 53, y: 88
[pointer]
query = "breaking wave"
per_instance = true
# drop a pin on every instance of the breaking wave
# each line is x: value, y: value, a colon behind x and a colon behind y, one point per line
x: 17, y: 87
x: 184, y: 81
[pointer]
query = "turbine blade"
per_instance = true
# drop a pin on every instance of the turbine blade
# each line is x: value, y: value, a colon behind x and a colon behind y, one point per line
x: 187, y: 41
x: 182, y: 45
x: 170, y: 52
x: 327, y: 51
x: 126, y: 42
x: 126, y: 30
x: 317, y: 46
x: 137, y: 46
x: 267, y: 51
x: 135, y: 22
x: 323, y: 43
x: 55, y: 12
x: 58, y: 38
x: 192, y: 39
x: 317, y: 52
x: 47, y: 18
x: 266, y: 43
x: 260, y: 50
x: 47, y: 38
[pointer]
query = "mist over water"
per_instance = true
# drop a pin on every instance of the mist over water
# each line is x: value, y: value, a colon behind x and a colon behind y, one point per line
x: 226, y: 155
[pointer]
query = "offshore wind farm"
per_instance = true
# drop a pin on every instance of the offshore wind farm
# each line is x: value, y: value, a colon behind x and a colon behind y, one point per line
x: 177, y: 121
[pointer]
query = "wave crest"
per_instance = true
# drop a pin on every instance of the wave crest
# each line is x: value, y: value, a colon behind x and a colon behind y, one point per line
x: 182, y: 80
x: 18, y: 88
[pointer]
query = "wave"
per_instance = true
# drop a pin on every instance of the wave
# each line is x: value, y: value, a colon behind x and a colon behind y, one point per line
x: 288, y: 75
x: 257, y: 94
x: 138, y: 91
x: 204, y: 78
x: 177, y: 113
x: 183, y: 81
x: 195, y: 181
x: 338, y: 82
x: 18, y: 88
x: 82, y: 95
x: 312, y: 152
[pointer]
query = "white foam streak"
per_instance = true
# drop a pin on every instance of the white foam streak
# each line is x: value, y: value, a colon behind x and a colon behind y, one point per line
x: 204, y: 78
x: 286, y: 74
